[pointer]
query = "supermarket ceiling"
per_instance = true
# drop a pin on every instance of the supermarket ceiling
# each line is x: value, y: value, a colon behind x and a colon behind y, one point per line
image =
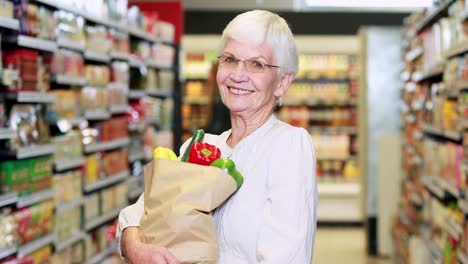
x: 308, y: 17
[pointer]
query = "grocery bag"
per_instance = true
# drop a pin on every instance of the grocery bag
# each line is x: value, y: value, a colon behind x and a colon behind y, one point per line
x: 179, y: 200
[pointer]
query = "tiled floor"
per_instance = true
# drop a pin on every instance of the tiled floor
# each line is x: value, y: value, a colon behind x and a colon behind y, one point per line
x: 343, y: 245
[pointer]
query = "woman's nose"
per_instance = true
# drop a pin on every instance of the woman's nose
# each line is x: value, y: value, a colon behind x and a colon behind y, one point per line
x: 239, y: 73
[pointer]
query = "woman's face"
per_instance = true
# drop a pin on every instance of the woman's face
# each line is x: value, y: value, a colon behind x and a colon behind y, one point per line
x: 243, y: 91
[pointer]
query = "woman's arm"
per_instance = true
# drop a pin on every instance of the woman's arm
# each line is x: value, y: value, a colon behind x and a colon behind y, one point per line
x: 289, y: 217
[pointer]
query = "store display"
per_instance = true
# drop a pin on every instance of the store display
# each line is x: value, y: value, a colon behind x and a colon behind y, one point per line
x: 79, y: 57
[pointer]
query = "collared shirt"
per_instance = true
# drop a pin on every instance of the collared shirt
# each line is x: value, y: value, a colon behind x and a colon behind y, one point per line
x: 272, y: 217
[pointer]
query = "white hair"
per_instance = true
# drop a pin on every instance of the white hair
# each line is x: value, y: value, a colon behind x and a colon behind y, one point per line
x: 259, y: 26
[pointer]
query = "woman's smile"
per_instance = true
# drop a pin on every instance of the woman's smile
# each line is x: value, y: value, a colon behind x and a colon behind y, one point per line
x: 238, y: 91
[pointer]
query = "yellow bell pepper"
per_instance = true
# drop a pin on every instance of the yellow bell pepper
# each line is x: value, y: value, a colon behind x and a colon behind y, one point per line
x: 164, y: 153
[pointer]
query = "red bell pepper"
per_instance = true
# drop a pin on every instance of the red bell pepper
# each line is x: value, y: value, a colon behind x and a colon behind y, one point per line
x: 203, y: 153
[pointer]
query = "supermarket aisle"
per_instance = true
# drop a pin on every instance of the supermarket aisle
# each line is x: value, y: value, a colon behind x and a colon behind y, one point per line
x: 343, y: 245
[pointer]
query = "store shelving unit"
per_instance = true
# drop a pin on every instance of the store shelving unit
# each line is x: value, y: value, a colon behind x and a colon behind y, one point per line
x: 323, y: 99
x: 63, y: 166
x: 433, y: 204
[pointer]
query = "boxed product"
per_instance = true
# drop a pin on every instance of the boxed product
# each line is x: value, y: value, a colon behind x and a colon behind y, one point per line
x: 93, y: 98
x: 97, y: 39
x: 40, y: 174
x: 8, y: 226
x: 70, y: 28
x: 67, y: 186
x: 25, y: 62
x: 67, y: 223
x: 14, y: 176
x: 97, y: 75
x: 120, y: 73
x: 70, y: 63
x: 34, y: 221
x: 93, y: 169
x: 6, y: 9
x: 162, y: 54
x: 66, y: 104
x: 40, y: 256
x: 91, y: 207
x: 120, y: 41
x: 68, y: 145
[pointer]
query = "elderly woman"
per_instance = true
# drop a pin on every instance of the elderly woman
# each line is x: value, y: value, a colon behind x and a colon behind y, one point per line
x: 272, y: 218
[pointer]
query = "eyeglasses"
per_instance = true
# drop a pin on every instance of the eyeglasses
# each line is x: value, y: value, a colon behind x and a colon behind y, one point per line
x: 251, y: 65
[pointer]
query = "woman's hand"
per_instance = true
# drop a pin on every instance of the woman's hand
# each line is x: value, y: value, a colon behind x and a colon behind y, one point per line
x: 136, y: 251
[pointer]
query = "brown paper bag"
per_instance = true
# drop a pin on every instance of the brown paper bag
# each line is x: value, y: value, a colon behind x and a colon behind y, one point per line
x: 179, y: 200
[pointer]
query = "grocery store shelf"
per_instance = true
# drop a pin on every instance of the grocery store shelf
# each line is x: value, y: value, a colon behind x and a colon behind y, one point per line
x: 462, y: 256
x: 333, y: 130
x: 97, y: 114
x: 97, y: 56
x: 35, y: 198
x: 70, y: 204
x: 8, y: 198
x: 339, y: 189
x: 29, y: 152
x: 107, y: 145
x: 414, y: 54
x: 74, y: 45
x: 136, y: 126
x: 457, y: 49
x: 10, y: 23
x: 109, y: 180
x: 73, y: 121
x: 135, y: 62
x: 152, y: 121
x: 199, y: 101
x: 118, y: 109
x: 35, y: 43
x: 141, y: 34
x: 433, y: 187
x: 6, y: 252
x: 159, y: 66
x: 61, y: 245
x: 32, y: 246
x: 441, y: 132
x: 98, y: 258
x: 119, y: 55
x: 31, y: 97
x: 433, y: 16
x: 456, y: 87
x: 135, y: 193
x: 69, y: 80
x: 136, y: 94
x: 68, y: 163
x: 432, y: 73
x: 159, y: 92
x: 136, y: 156
x: 6, y: 133
x: 91, y: 224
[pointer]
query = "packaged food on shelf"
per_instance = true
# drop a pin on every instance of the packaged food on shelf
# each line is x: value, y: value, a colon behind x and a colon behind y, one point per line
x: 66, y: 103
x: 14, y: 176
x: 6, y: 9
x: 29, y: 125
x: 141, y: 49
x: 93, y: 98
x: 119, y: 72
x: 114, y: 197
x: 70, y: 28
x: 99, y: 240
x: 25, y: 62
x: 8, y: 227
x: 67, y: 62
x: 2, y: 113
x: 97, y: 39
x: 165, y: 80
x: 67, y: 223
x: 162, y: 54
x: 120, y: 41
x: 93, y: 169
x: 35, y: 21
x: 112, y: 162
x: 73, y: 254
x: 117, y: 95
x: 67, y: 186
x: 34, y: 221
x: 91, y: 207
x: 165, y: 31
x: 97, y: 75
x: 40, y: 174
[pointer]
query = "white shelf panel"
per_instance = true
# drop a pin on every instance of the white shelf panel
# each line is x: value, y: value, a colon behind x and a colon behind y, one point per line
x: 32, y: 246
x: 10, y: 23
x: 159, y: 92
x: 119, y: 55
x: 35, y: 198
x: 98, y: 258
x: 68, y: 163
x: 339, y: 189
x: 156, y: 65
x: 70, y: 80
x: 6, y: 133
x: 97, y: 114
x: 136, y: 156
x: 91, y: 224
x: 8, y: 198
x: 34, y: 151
x: 107, y: 145
x: 74, y: 121
x: 71, y: 204
x: 31, y: 97
x: 61, y: 245
x: 109, y: 180
x: 134, y: 194
x: 6, y: 252
x: 136, y: 63
x: 136, y: 94
x: 35, y: 43
x: 414, y: 54
x: 136, y: 126
x: 141, y: 34
x: 97, y: 56
x: 65, y: 43
x: 118, y: 109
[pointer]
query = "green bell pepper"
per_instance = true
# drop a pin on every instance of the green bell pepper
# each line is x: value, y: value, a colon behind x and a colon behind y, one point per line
x: 228, y: 166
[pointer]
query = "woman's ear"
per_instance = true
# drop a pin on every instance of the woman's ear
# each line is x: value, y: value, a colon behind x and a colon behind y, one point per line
x: 284, y: 84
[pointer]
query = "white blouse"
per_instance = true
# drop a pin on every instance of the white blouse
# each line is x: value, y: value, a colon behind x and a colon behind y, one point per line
x: 272, y: 217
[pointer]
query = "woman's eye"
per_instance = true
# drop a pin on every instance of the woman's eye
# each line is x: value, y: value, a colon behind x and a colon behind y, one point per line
x: 258, y: 64
x: 229, y: 59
